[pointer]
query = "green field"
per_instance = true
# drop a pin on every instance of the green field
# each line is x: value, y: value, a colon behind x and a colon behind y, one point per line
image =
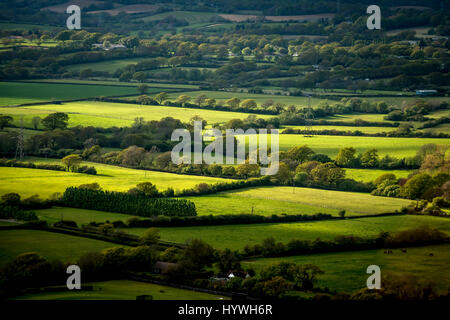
x: 279, y: 200
x: 192, y: 17
x: 27, y: 26
x: 330, y: 145
x: 368, y: 175
x: 124, y: 290
x: 237, y: 236
x: 27, y: 182
x: 108, y: 66
x: 48, y: 244
x: 346, y: 271
x: 369, y: 130
x: 13, y: 93
x: 103, y: 114
x: 80, y: 216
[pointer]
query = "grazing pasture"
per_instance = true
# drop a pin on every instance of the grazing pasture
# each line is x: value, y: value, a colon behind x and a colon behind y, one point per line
x: 50, y: 245
x: 346, y: 271
x: 237, y: 236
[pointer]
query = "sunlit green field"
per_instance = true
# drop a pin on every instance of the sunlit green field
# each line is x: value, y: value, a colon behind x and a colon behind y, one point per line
x: 369, y: 130
x: 48, y: 244
x: 13, y: 93
x: 289, y: 200
x: 80, y: 216
x: 367, y: 175
x: 103, y: 114
x: 346, y: 271
x: 330, y: 145
x: 124, y: 290
x: 237, y: 236
x: 28, y: 182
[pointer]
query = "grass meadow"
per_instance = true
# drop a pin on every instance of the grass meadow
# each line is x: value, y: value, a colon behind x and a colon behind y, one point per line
x: 48, y: 244
x: 104, y: 114
x: 28, y: 182
x: 346, y: 271
x: 123, y: 290
x: 13, y: 93
x: 289, y: 200
x: 237, y: 236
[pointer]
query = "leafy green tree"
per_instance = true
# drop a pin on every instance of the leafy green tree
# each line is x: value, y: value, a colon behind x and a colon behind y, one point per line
x: 139, y: 76
x: 35, y: 122
x: 284, y: 174
x: 183, y: 99
x: 58, y: 120
x: 228, y: 260
x: 417, y: 185
x: 150, y: 237
x: 249, y: 104
x: 300, y: 153
x: 11, y: 199
x: 327, y: 174
x: 233, y: 102
x: 161, y: 97
x: 199, y: 253
x: 72, y: 161
x: 148, y: 189
x: 346, y: 157
x: 370, y: 159
x: 201, y: 99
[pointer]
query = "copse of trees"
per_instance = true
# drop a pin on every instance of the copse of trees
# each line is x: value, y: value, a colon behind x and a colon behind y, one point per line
x: 128, y: 203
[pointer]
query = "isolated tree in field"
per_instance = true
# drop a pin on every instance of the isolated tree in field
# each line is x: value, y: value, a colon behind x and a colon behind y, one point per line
x: 161, y: 97
x: 150, y: 237
x: 346, y: 157
x: 183, y: 99
x: 4, y: 121
x: 58, y: 120
x: 370, y: 158
x: 143, y: 88
x: 71, y: 161
x: 249, y: 104
x: 144, y: 99
x: 35, y: 122
x: 233, y: 102
x: 201, y: 99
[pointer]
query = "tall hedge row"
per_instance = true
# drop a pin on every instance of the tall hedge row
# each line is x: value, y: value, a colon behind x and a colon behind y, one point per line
x: 120, y: 202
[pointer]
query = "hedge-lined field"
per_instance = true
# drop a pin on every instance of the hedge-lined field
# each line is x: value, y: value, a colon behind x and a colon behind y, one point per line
x: 346, y: 271
x: 12, y: 93
x: 48, y: 244
x: 289, y: 200
x: 80, y: 216
x: 237, y: 236
x: 124, y: 290
x: 107, y: 114
x: 367, y: 175
x: 27, y: 182
x: 330, y: 145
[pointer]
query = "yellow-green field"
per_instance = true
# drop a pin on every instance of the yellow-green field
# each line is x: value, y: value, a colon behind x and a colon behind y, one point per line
x: 289, y: 200
x: 103, y: 114
x: 27, y: 182
x: 237, y: 236
x: 368, y: 175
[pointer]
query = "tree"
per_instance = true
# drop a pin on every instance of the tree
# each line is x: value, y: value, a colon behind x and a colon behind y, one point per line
x: 58, y: 120
x: 85, y: 73
x: 249, y: 104
x: 4, y: 121
x: 210, y: 102
x: 148, y: 189
x: 284, y: 174
x: 346, y: 157
x: 233, y: 102
x: 183, y: 99
x: 143, y: 88
x: 201, y: 99
x: 327, y: 174
x: 150, y: 237
x: 300, y: 153
x: 71, y: 161
x: 139, y: 76
x: 370, y: 158
x: 35, y: 122
x: 199, y: 254
x: 11, y: 199
x: 161, y: 97
x: 246, y: 170
x: 417, y: 185
x: 385, y: 177
x: 228, y: 260
x: 144, y: 99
